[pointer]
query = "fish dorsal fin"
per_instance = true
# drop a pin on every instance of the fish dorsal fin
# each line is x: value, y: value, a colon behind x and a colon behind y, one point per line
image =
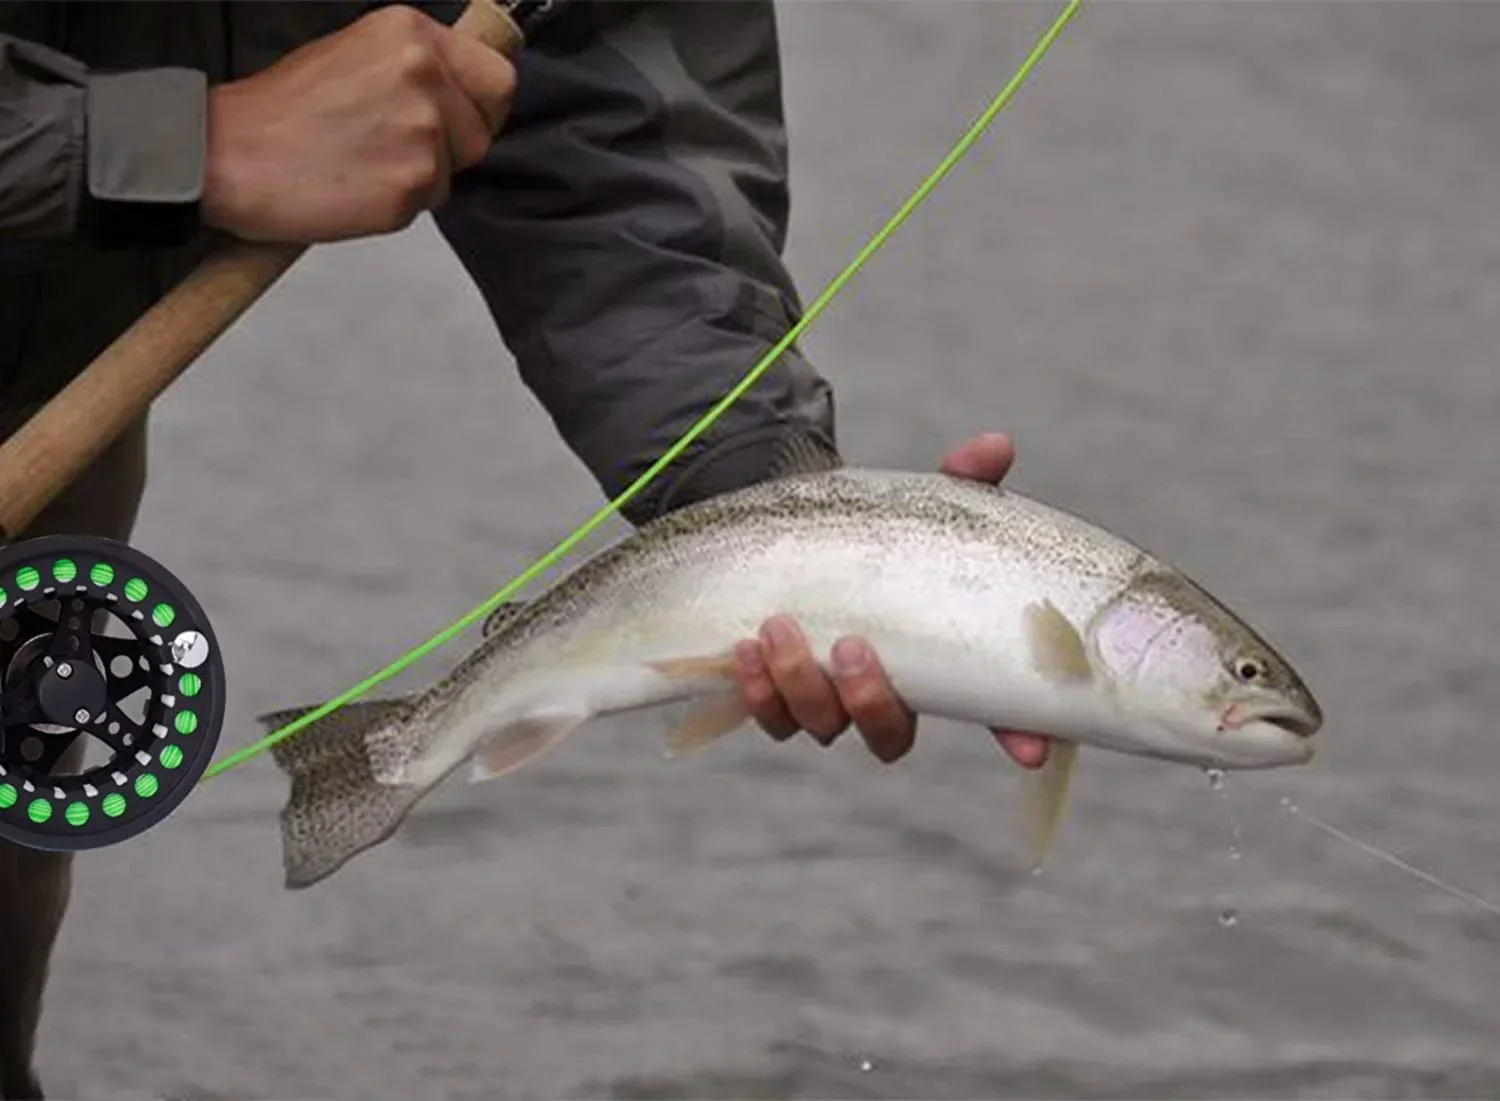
x: 802, y: 453
x: 1058, y: 651
x: 1044, y: 798
x: 501, y: 616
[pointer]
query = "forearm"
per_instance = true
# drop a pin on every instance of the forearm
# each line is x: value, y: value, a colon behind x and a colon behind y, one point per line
x: 626, y: 233
x: 109, y: 158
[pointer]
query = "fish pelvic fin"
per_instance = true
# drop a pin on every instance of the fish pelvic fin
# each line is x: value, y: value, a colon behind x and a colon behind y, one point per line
x: 522, y: 743
x: 1044, y: 798
x: 336, y: 807
x: 709, y: 666
x: 707, y: 721
x: 710, y: 717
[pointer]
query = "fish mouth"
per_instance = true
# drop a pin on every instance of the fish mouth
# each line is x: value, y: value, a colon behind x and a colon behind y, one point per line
x: 1292, y: 720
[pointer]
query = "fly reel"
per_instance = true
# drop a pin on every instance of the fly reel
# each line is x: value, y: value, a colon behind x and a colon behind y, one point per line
x: 99, y: 644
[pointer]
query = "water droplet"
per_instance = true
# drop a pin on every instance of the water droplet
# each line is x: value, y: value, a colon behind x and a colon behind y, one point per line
x: 1288, y: 805
x: 1229, y: 918
x: 1215, y: 778
x: 866, y: 1066
x: 1235, y: 853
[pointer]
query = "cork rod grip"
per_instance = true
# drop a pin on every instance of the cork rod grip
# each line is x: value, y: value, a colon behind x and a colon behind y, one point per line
x: 56, y: 445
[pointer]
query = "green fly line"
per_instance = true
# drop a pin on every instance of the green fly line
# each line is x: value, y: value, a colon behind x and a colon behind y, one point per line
x: 956, y: 154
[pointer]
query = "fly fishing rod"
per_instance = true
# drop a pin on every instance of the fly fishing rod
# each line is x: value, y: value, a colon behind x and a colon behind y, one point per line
x: 98, y: 640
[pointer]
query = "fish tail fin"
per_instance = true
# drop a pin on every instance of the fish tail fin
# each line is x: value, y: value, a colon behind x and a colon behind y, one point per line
x: 336, y: 807
x: 1044, y: 798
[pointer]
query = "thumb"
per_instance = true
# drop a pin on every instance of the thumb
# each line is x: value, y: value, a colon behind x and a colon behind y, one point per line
x: 986, y: 457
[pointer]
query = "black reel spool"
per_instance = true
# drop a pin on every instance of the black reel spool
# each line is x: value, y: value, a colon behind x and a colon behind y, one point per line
x: 99, y: 642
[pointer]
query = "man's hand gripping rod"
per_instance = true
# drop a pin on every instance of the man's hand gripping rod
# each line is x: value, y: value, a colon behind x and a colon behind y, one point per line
x: 55, y: 446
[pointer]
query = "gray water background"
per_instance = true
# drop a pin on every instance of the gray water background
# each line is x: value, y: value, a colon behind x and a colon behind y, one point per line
x: 1230, y: 273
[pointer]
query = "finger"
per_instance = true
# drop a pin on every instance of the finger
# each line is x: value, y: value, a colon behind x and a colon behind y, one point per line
x: 809, y: 695
x: 1026, y: 750
x: 986, y: 457
x: 759, y: 692
x: 414, y: 47
x: 887, y: 725
x: 466, y: 129
x: 486, y: 79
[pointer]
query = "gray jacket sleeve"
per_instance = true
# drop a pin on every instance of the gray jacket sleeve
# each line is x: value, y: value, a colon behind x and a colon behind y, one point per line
x: 71, y: 140
x: 626, y: 232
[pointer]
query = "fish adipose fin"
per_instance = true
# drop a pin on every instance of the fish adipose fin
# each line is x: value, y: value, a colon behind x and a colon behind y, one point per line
x: 336, y: 808
x: 708, y: 718
x: 1058, y: 653
x: 522, y: 742
x: 501, y: 616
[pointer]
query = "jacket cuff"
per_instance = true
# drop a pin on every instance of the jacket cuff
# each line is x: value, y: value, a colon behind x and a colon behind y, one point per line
x: 147, y: 138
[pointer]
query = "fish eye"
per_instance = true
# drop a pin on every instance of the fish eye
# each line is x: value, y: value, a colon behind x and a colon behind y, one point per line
x: 1249, y: 669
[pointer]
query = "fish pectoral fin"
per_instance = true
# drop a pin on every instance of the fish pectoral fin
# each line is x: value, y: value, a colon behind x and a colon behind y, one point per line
x: 1044, y: 798
x: 521, y: 743
x: 708, y: 720
x: 710, y: 666
x: 1057, y: 649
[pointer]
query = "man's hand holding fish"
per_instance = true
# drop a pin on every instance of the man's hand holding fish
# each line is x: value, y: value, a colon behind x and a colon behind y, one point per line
x: 786, y: 689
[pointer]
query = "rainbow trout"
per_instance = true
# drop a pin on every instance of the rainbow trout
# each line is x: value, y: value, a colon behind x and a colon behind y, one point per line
x: 985, y: 606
